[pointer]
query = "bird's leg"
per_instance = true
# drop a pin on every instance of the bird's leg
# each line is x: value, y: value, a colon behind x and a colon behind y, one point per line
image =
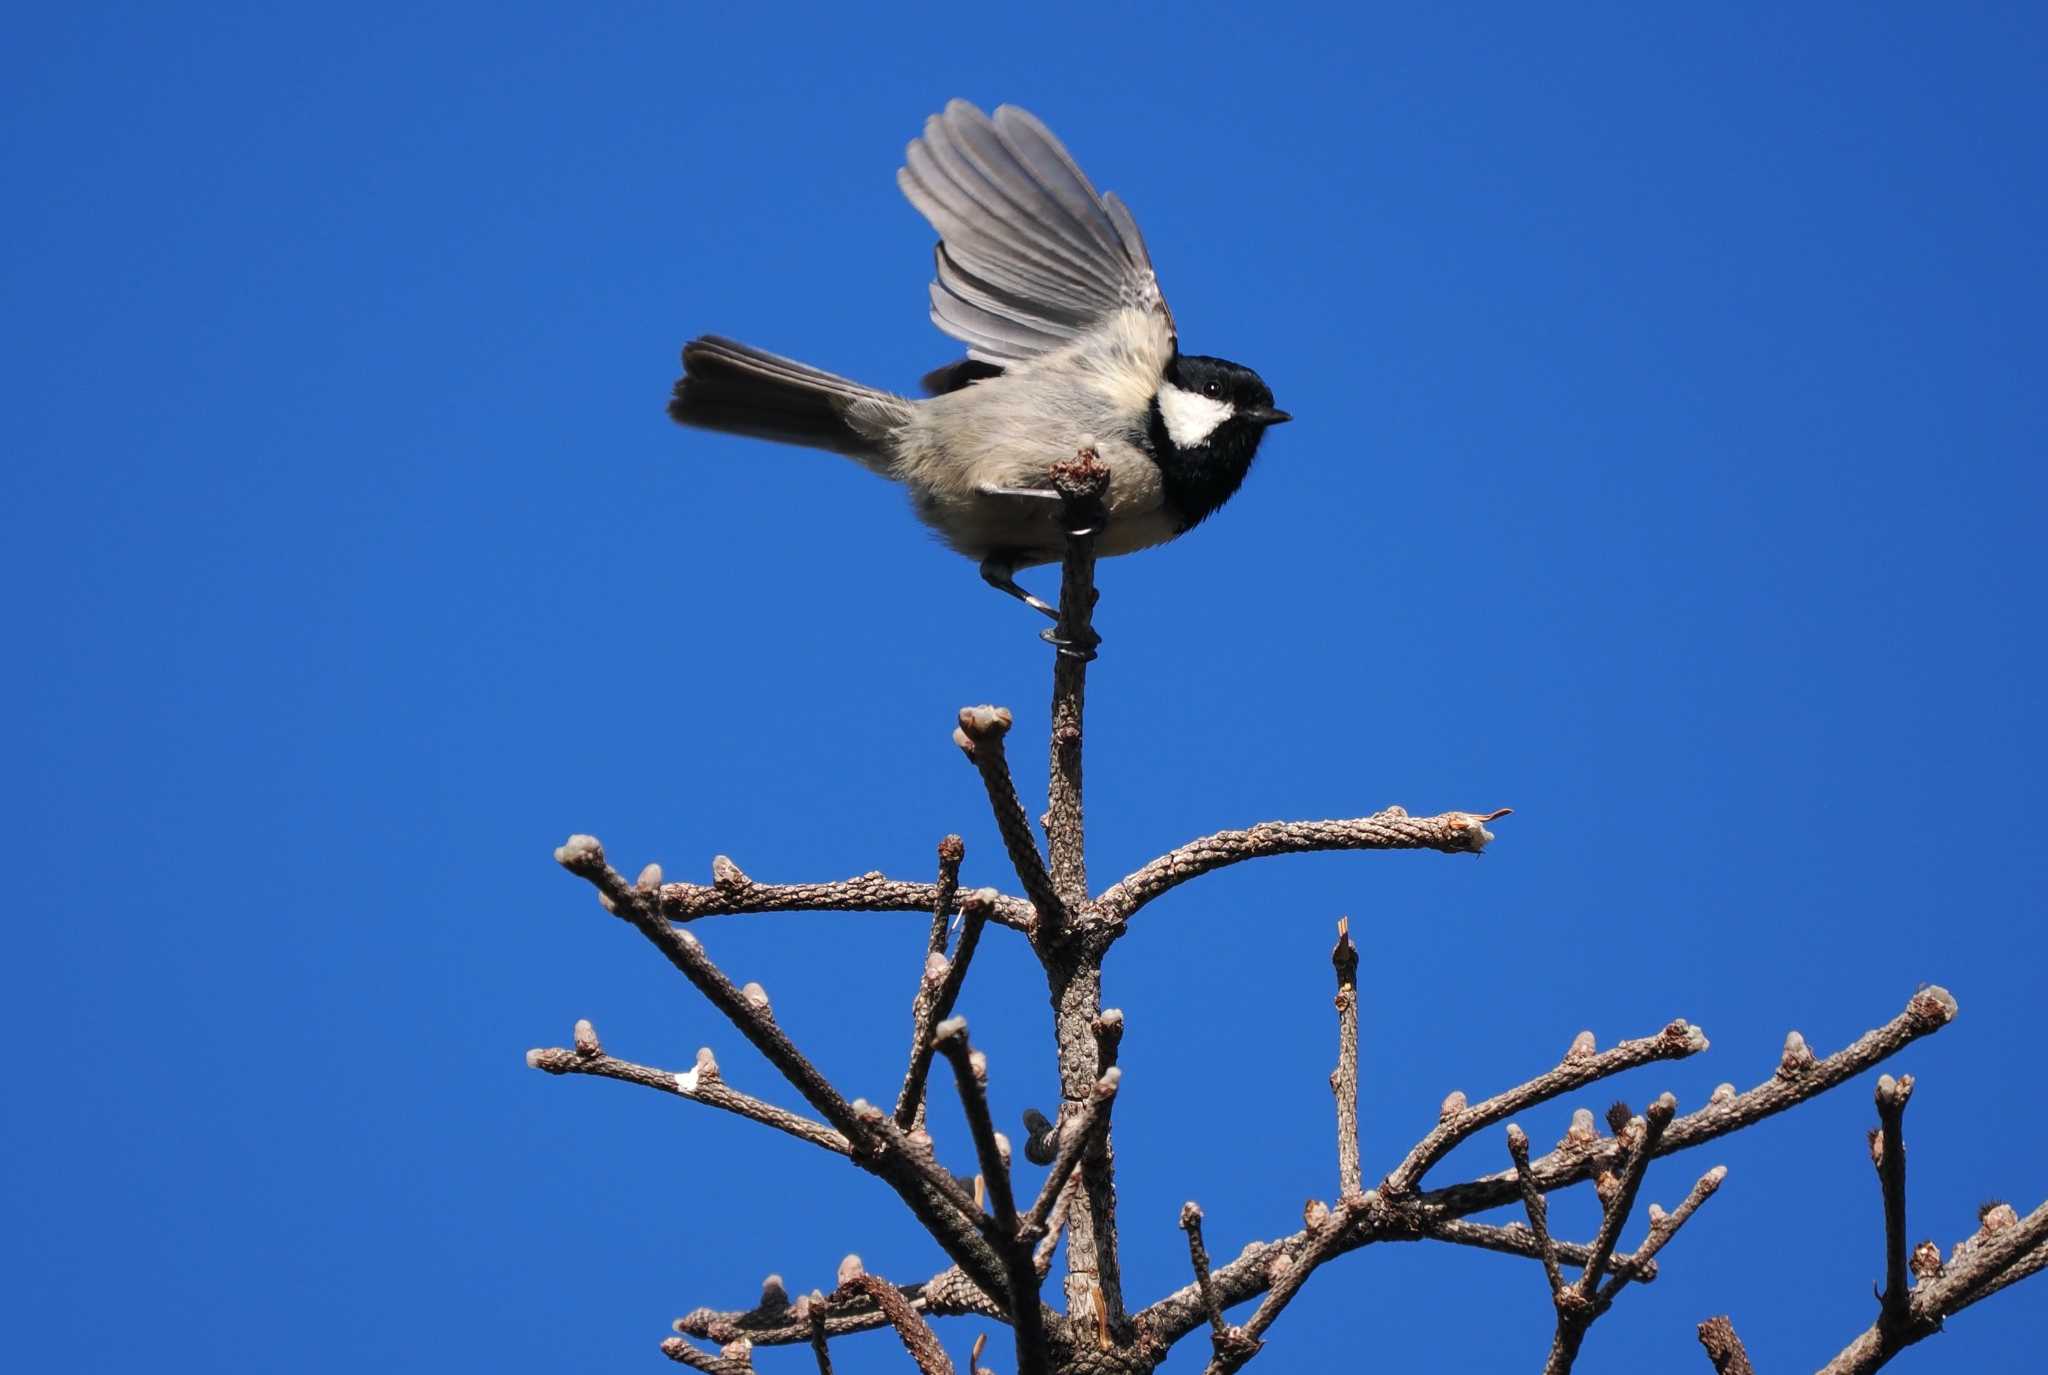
x: 996, y: 571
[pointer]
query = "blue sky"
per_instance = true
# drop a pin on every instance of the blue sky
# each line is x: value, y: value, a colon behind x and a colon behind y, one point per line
x: 1667, y: 465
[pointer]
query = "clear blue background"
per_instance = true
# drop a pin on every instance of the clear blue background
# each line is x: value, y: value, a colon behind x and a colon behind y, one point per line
x: 1668, y: 465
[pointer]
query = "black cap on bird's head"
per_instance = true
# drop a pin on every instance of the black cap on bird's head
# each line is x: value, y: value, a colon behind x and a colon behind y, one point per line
x: 1207, y: 421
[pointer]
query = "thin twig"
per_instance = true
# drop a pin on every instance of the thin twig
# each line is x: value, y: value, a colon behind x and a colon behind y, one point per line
x: 918, y: 1338
x: 1077, y: 1137
x: 980, y: 737
x: 701, y: 1084
x: 731, y: 1359
x: 1888, y: 1149
x: 952, y: 852
x: 1081, y: 483
x: 1663, y: 1227
x: 1978, y: 1267
x: 1344, y: 1079
x: 1245, y: 1278
x: 1392, y: 829
x: 1578, y: 1068
x: 919, y: 1183
x: 1577, y: 1305
x: 1928, y: 1011
x: 948, y: 1293
x: 970, y: 1072
x: 937, y: 991
x: 1538, y: 1209
x: 733, y: 893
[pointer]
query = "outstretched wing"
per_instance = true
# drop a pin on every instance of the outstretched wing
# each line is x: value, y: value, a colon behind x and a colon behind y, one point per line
x: 1029, y: 255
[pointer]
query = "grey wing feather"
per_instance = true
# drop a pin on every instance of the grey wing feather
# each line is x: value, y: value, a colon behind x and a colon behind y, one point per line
x: 1030, y: 256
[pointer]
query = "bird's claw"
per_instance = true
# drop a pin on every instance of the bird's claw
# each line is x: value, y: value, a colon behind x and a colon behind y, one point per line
x: 1083, y: 650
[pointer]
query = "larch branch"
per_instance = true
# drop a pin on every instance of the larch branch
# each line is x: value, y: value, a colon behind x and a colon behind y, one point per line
x: 1724, y: 1348
x: 1580, y: 1066
x: 980, y: 737
x: 937, y: 991
x: 1344, y: 1079
x: 700, y: 1084
x: 1888, y: 1154
x: 918, y: 1338
x: 732, y: 893
x: 1927, y: 1012
x: 1392, y: 829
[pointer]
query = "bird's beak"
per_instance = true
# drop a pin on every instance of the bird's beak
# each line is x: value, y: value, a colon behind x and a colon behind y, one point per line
x: 1265, y: 415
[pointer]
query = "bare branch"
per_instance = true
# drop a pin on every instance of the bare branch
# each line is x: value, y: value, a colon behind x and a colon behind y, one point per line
x: 1538, y: 1209
x: 980, y: 737
x: 1198, y: 1257
x: 1927, y: 1012
x: 949, y: 1293
x: 1077, y: 1137
x: 1888, y: 1154
x: 1392, y: 829
x: 1578, y: 1068
x: 733, y: 893
x: 952, y: 852
x: 1724, y: 1348
x: 1344, y: 1079
x: 1663, y: 1227
x: 1577, y: 1305
x: 2004, y: 1250
x: 918, y: 1338
x: 701, y: 1084
x: 878, y: 1146
x: 734, y: 1358
x: 1081, y: 483
x: 970, y: 1072
x: 936, y: 994
x: 1517, y: 1240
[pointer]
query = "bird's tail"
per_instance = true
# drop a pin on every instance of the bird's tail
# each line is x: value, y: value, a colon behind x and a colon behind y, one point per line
x: 729, y: 387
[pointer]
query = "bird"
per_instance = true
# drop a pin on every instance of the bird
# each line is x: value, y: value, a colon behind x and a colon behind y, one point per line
x: 1070, y: 347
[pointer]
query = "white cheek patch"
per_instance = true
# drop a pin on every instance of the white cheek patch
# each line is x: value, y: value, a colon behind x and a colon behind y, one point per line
x: 1191, y: 417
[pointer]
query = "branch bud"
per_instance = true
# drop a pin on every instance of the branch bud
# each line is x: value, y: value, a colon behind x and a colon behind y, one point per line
x: 1927, y: 1261
x: 773, y: 1295
x: 580, y: 854
x: 586, y: 1039
x: 650, y: 879
x: 1315, y: 1214
x: 757, y: 996
x: 726, y: 876
x: 1722, y: 1093
x: 936, y: 967
x: 978, y: 724
x: 1581, y: 1132
x: 952, y: 850
x: 1797, y: 1059
x: 1582, y: 1047
x: 1190, y: 1215
x: 1453, y: 1104
x: 1996, y: 1216
x: 948, y: 1029
x: 850, y: 1270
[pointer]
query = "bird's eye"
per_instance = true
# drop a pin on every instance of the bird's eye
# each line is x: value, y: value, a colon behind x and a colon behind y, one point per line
x: 1212, y: 389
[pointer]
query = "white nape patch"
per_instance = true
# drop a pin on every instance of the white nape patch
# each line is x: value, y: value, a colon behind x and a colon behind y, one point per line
x: 1191, y: 417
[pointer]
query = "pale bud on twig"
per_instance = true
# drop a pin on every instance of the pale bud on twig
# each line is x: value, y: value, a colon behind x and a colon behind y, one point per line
x: 1582, y: 1047
x: 1003, y: 1147
x: 586, y: 1038
x: 738, y: 1349
x: 1722, y: 1093
x: 948, y: 1029
x: 758, y: 997
x: 850, y: 1269
x: 978, y: 1062
x: 1996, y: 1217
x: 1927, y: 1261
x: 727, y: 876
x: 1190, y: 1214
x: 1582, y: 1132
x: 936, y: 967
x: 773, y: 1295
x: 1315, y: 1214
x: 650, y: 879
x: 1453, y: 1104
x: 1798, y: 1057
x: 580, y: 853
